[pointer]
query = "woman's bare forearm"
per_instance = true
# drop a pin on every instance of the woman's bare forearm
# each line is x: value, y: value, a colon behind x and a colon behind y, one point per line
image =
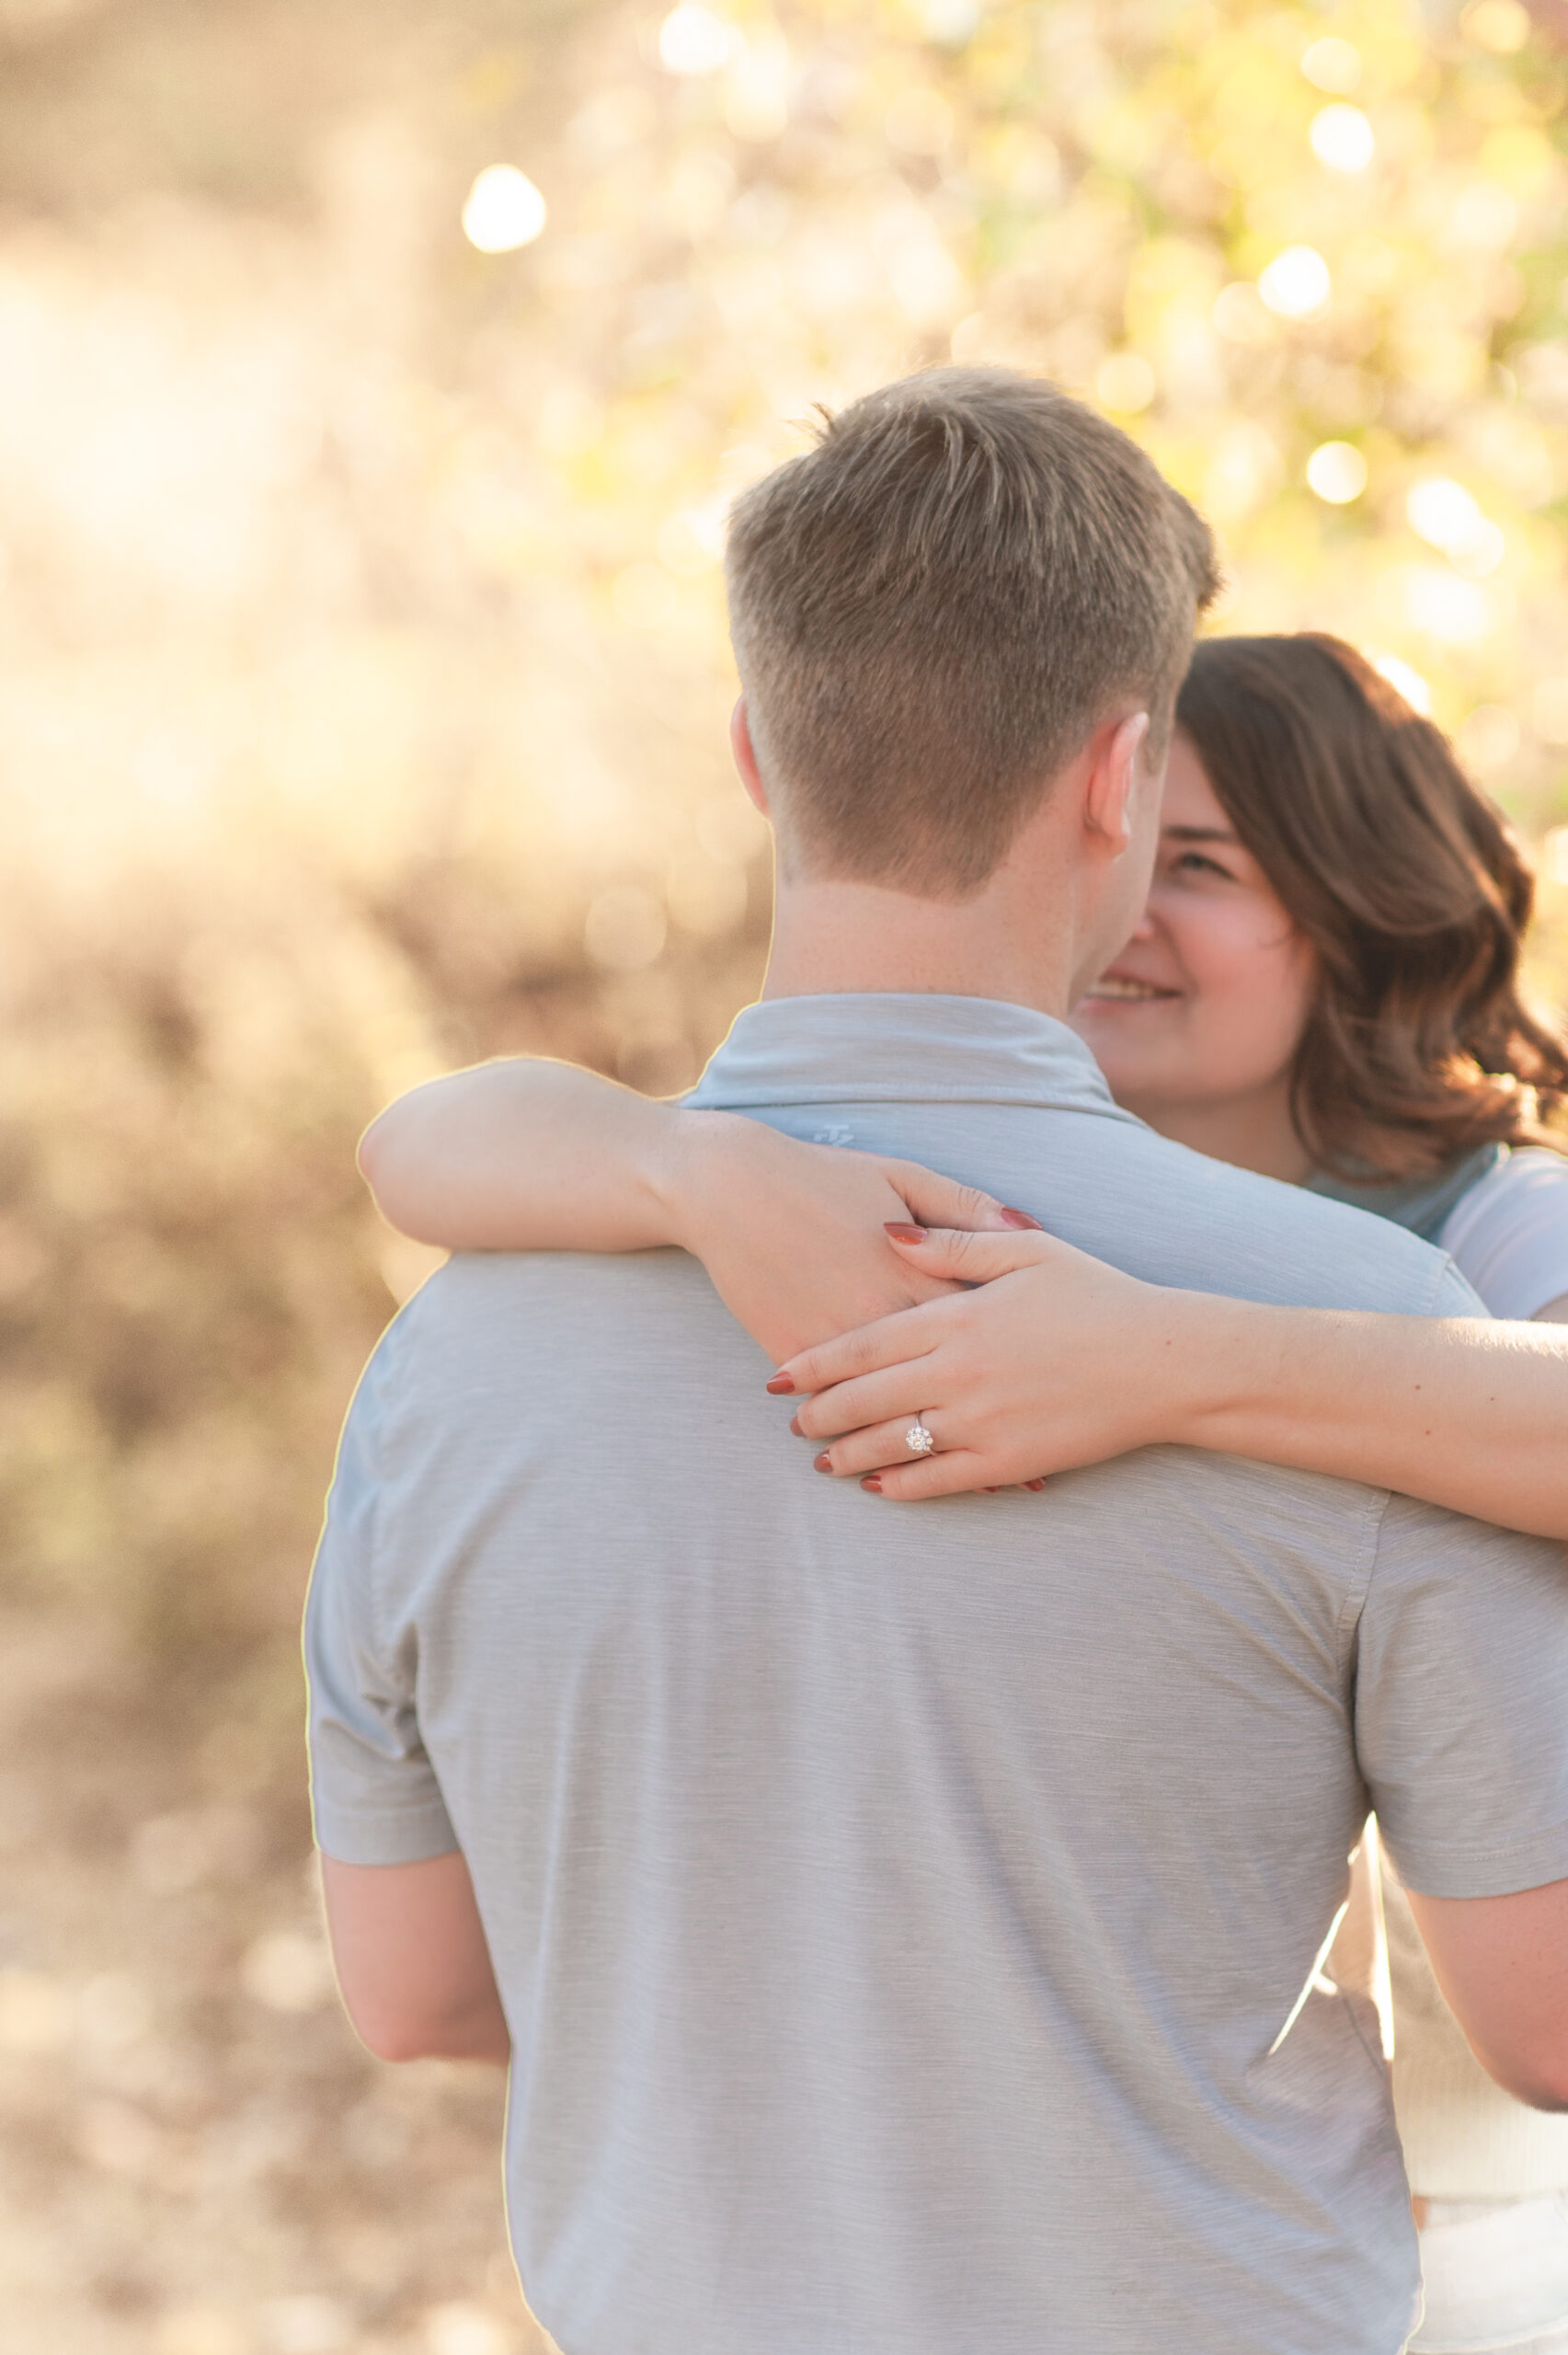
x: 527, y: 1155
x: 1465, y: 1414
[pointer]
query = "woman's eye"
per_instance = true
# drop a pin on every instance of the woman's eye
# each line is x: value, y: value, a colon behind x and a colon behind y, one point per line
x: 1193, y: 862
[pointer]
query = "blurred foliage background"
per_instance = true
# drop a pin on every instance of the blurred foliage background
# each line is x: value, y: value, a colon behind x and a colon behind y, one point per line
x: 363, y: 691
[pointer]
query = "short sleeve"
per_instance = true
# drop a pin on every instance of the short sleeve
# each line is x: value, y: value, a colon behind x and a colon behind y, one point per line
x: 375, y: 1796
x: 1461, y: 1703
x: 1509, y: 1234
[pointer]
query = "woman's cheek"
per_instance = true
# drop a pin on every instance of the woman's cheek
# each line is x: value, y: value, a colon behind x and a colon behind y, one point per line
x: 1253, y: 998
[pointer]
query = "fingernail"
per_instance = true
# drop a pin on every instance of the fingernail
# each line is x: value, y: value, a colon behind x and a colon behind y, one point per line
x: 1034, y: 1484
x: 781, y: 1384
x: 993, y: 1492
x: 1022, y: 1218
x: 873, y: 1483
x: 795, y: 1426
x: 823, y: 1463
x: 902, y: 1233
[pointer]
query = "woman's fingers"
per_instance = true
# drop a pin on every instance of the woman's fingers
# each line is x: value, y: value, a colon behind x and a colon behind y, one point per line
x: 883, y: 1449
x: 869, y: 1449
x: 968, y: 1258
x: 891, y: 1395
x: 936, y: 1201
x: 891, y: 1340
x: 952, y: 1475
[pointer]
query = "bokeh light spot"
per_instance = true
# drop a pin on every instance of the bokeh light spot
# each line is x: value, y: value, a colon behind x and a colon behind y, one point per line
x: 1501, y: 26
x: 1441, y: 511
x: 287, y: 1971
x: 504, y: 211
x: 952, y: 22
x: 1480, y: 553
x: 1243, y: 468
x: 1296, y: 284
x: 692, y: 40
x: 1406, y: 681
x: 1484, y: 214
x: 1342, y: 138
x: 1333, y: 64
x: 760, y: 78
x: 307, y: 2324
x: 1337, y: 471
x: 201, y: 2330
x: 459, y: 2328
x: 33, y: 2013
x: 1445, y: 608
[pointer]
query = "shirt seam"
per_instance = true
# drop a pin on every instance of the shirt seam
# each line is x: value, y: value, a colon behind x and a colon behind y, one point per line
x: 408, y: 1809
x: 373, y: 1547
x: 1359, y: 1590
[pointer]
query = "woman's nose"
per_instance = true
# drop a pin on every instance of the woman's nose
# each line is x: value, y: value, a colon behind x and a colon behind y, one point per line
x: 1144, y: 928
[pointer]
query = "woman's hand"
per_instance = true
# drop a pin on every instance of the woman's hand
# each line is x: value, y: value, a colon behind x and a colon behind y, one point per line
x: 527, y: 1155
x: 1056, y: 1359
x: 794, y: 1236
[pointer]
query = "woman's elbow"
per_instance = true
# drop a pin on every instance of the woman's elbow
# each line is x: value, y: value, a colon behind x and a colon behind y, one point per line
x: 391, y: 2040
x: 397, y: 2033
x: 1536, y: 2075
x: 385, y: 1165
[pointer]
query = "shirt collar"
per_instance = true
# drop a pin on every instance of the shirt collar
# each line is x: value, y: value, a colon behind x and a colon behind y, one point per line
x: 898, y: 1046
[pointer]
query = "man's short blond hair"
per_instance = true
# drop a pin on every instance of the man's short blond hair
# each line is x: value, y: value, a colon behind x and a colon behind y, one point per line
x: 935, y: 606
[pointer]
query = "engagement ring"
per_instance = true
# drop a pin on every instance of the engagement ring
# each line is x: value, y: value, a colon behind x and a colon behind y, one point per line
x: 917, y: 1440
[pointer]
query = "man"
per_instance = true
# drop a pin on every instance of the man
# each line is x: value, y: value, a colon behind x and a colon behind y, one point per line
x: 907, y: 1924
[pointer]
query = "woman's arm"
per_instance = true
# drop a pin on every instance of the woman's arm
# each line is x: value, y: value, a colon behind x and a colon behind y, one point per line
x: 526, y: 1155
x: 1057, y: 1359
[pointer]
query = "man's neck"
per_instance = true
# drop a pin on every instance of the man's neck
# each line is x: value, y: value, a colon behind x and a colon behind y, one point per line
x: 833, y: 937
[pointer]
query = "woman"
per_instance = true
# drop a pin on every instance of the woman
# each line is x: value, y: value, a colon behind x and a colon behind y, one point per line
x: 1323, y: 989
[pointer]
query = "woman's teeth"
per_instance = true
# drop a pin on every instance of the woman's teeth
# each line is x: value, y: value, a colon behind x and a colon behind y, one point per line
x: 1114, y: 985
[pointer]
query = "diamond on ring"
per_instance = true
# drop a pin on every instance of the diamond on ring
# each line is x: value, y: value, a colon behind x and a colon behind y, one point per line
x: 917, y: 1440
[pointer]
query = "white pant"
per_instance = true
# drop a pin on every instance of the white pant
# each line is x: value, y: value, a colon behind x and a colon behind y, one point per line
x: 1495, y: 2275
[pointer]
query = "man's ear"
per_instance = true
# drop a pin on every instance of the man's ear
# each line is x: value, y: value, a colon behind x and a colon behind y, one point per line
x: 1110, y: 788
x: 745, y: 756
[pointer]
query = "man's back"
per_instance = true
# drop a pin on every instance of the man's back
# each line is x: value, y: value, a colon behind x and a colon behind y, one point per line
x: 907, y: 1917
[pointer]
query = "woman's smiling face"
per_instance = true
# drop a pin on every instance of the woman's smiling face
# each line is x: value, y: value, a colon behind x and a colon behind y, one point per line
x: 1197, y: 1021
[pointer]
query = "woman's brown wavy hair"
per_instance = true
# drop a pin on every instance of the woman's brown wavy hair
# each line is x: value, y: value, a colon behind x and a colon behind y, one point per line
x: 1410, y: 886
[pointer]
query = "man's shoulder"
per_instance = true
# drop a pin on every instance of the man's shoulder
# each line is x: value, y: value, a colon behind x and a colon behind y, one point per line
x: 1206, y: 1225
x: 489, y: 1321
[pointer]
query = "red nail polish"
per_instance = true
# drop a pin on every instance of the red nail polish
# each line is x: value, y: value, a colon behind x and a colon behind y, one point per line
x: 823, y: 1463
x: 782, y: 1385
x: 1034, y: 1484
x: 873, y: 1483
x: 902, y: 1232
x: 1022, y: 1218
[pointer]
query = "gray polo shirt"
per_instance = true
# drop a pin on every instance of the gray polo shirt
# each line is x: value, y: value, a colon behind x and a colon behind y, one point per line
x: 908, y: 1917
